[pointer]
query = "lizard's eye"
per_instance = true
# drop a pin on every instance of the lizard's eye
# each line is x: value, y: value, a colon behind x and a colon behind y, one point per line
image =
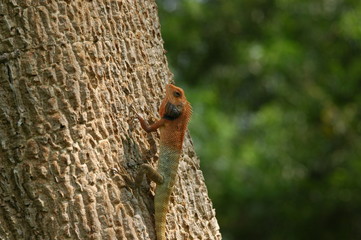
x: 177, y: 94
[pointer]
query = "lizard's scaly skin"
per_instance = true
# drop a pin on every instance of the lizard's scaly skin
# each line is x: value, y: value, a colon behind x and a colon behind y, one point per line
x: 175, y: 112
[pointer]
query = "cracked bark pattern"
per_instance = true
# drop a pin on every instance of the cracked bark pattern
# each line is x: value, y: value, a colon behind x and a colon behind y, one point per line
x: 69, y: 72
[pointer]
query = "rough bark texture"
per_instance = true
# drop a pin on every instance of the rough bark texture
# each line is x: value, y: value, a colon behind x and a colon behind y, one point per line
x: 69, y: 72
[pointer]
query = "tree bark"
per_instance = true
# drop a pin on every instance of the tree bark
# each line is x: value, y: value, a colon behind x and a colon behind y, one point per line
x: 70, y: 71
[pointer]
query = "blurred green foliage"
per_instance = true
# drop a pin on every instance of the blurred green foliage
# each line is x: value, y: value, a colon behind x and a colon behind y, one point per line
x: 275, y: 91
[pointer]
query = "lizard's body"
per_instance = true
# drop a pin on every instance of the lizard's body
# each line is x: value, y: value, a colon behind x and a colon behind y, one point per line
x: 175, y: 112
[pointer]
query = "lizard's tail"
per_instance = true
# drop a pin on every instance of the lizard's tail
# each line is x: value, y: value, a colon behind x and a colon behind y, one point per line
x: 161, y: 202
x: 167, y: 167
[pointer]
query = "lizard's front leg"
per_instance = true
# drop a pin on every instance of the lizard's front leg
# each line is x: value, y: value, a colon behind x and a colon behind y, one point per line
x: 150, y: 128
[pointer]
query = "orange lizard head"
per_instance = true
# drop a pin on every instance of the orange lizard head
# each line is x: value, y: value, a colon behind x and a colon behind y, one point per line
x: 175, y: 104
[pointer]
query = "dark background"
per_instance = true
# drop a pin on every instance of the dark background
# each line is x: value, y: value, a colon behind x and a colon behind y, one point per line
x: 275, y: 88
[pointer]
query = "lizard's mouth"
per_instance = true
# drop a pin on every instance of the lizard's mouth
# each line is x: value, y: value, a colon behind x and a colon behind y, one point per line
x: 172, y: 111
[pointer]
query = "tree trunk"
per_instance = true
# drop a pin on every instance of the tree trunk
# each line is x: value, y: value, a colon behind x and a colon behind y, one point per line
x: 70, y: 71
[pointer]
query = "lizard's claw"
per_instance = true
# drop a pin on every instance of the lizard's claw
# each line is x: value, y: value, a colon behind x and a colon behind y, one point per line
x: 137, y: 116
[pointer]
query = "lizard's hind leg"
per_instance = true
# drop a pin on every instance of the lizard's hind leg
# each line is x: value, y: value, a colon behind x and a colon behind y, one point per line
x: 151, y: 173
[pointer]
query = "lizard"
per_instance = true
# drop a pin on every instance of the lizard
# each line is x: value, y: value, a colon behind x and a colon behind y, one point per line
x: 175, y: 112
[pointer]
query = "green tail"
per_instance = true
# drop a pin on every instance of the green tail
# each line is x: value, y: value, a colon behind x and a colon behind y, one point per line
x: 167, y: 167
